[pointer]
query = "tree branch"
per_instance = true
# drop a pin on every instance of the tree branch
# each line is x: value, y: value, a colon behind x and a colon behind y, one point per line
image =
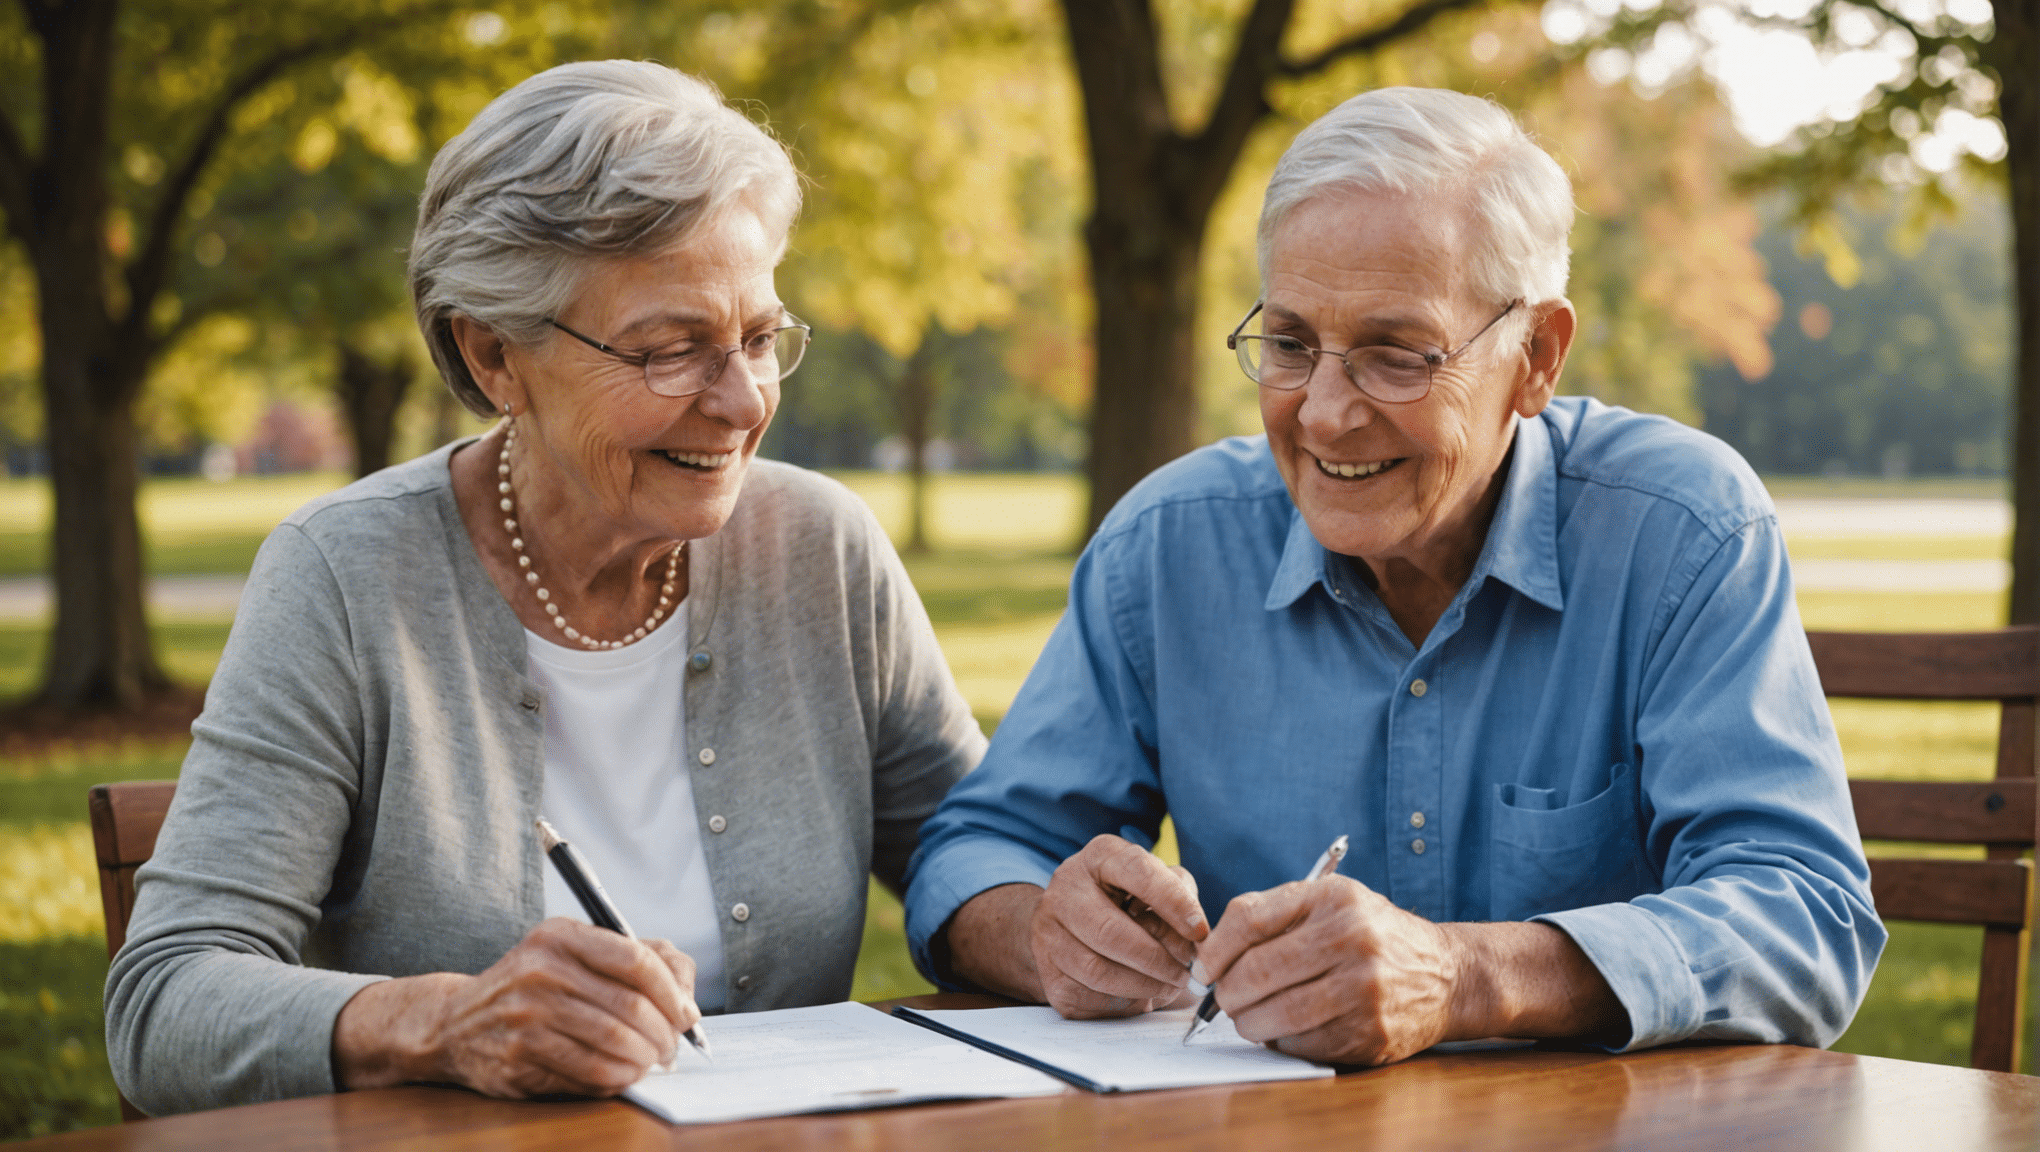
x: 1414, y: 20
x: 1242, y: 98
x: 150, y: 270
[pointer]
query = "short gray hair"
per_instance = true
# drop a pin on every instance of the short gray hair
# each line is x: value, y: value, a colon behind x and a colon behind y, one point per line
x: 579, y: 163
x: 1425, y: 140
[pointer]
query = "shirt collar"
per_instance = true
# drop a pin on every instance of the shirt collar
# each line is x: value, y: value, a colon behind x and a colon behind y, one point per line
x: 1522, y: 542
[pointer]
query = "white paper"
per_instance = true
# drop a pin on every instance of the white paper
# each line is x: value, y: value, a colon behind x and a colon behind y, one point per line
x: 824, y: 1059
x: 1134, y: 1053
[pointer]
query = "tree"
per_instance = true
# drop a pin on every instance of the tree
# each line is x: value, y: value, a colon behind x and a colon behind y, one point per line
x: 105, y: 254
x: 1963, y: 98
x: 920, y: 126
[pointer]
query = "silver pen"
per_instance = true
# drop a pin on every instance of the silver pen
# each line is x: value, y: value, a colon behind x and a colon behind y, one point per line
x: 601, y: 911
x: 1207, y: 1011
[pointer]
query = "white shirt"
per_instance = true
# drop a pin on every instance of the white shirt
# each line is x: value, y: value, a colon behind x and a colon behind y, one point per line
x: 617, y: 787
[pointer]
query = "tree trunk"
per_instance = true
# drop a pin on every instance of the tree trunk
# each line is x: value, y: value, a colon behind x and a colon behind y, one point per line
x: 917, y: 412
x: 2014, y: 51
x: 1144, y: 414
x: 101, y: 655
x: 371, y: 392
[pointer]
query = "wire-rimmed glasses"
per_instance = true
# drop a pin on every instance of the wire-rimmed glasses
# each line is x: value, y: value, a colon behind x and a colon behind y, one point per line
x: 686, y: 367
x: 1389, y: 373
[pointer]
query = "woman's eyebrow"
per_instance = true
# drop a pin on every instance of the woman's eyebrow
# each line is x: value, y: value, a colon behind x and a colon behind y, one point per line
x: 662, y: 320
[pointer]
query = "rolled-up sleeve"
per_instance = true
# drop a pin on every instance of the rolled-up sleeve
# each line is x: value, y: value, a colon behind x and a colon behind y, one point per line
x: 1764, y: 929
x: 1074, y: 757
x: 209, y: 1003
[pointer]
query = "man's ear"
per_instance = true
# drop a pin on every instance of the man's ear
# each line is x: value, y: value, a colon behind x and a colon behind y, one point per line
x: 488, y: 361
x: 1551, y: 335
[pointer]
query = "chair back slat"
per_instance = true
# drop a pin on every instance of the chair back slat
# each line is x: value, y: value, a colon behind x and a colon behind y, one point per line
x: 1989, y: 892
x: 1983, y: 812
x: 2001, y: 814
x: 125, y: 820
x: 2002, y: 665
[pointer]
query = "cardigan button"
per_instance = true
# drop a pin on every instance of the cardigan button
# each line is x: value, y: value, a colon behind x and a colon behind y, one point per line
x: 700, y: 660
x: 529, y: 702
x: 740, y: 912
x: 706, y: 757
x: 743, y: 983
x: 717, y: 823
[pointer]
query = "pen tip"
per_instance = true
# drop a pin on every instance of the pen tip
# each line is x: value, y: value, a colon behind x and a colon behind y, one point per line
x: 546, y: 836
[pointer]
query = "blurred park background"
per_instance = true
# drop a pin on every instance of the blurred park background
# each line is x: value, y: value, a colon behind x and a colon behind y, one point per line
x: 1797, y: 231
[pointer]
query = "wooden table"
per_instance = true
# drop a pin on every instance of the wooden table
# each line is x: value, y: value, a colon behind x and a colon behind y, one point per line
x: 1710, y: 1099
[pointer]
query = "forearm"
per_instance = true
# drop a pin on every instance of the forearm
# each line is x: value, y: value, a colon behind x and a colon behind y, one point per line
x: 384, y: 1036
x: 989, y: 942
x: 1528, y: 980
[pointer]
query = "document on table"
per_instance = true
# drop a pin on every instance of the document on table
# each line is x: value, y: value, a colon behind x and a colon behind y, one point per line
x: 825, y: 1059
x: 1124, y: 1055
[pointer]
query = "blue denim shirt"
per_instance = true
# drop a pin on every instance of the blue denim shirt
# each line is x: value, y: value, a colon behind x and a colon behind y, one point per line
x: 1615, y: 728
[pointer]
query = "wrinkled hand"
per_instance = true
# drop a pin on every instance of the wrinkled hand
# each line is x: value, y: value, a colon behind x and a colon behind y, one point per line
x: 1330, y: 970
x: 1115, y: 932
x: 572, y: 1008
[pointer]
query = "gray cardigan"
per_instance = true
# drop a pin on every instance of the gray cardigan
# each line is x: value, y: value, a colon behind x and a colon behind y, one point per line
x: 358, y: 799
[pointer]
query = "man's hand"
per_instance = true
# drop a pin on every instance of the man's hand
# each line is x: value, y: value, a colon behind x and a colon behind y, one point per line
x: 1115, y: 932
x: 1331, y: 970
x: 572, y: 1008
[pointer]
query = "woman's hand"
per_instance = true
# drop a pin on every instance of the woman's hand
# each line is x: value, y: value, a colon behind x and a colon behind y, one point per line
x: 572, y: 1008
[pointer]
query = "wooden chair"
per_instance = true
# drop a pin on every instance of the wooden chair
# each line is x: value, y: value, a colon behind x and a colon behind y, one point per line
x: 125, y: 820
x: 1995, y: 892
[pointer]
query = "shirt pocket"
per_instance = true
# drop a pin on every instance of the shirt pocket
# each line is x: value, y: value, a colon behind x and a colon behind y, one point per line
x: 1547, y: 859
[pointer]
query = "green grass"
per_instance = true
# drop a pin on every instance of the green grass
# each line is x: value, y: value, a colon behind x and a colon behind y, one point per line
x: 994, y: 588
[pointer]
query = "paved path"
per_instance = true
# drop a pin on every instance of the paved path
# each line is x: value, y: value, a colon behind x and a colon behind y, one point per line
x: 29, y: 598
x: 1873, y: 516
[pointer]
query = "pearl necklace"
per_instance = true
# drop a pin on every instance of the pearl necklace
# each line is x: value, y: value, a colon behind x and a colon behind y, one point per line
x: 509, y: 507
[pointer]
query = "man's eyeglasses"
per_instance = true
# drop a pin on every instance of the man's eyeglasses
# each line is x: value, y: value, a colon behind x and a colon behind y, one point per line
x: 1387, y: 372
x: 687, y: 367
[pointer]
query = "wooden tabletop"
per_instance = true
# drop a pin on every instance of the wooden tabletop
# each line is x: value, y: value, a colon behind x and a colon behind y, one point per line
x: 1703, y: 1098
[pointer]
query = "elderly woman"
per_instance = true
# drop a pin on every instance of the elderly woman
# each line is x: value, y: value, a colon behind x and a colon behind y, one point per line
x: 1536, y: 657
x: 709, y: 672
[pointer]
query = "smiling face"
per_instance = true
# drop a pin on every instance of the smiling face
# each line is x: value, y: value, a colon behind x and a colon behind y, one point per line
x: 600, y: 450
x: 1379, y: 481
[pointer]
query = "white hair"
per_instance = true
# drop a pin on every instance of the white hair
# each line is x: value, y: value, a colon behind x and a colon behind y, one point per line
x: 583, y: 162
x: 1426, y: 141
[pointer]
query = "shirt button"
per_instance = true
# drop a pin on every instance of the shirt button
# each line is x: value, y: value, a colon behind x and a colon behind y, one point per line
x: 740, y: 912
x: 700, y: 661
x: 1416, y: 846
x: 1418, y: 688
x: 1416, y: 819
x: 707, y: 757
x: 717, y: 823
x: 743, y: 982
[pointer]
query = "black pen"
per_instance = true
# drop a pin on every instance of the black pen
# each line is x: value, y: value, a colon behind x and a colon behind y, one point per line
x: 587, y: 889
x: 1208, y: 1010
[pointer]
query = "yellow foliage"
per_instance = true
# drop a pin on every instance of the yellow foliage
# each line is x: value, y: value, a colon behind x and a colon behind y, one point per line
x: 315, y: 144
x: 920, y: 157
x: 379, y: 110
x: 52, y: 886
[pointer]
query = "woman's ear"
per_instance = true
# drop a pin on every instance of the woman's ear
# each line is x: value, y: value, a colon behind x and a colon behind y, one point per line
x: 489, y: 362
x: 1551, y: 336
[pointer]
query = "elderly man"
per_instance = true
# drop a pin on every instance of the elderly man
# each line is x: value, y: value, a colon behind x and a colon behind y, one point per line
x: 1538, y: 658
